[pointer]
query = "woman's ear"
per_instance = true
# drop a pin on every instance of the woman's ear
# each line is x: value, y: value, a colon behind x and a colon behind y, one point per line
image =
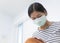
x: 45, y: 13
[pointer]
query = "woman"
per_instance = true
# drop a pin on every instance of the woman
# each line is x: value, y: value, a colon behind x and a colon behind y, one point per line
x: 47, y: 31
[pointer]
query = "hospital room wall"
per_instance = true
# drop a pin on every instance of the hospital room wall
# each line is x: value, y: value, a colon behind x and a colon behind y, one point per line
x: 8, y: 33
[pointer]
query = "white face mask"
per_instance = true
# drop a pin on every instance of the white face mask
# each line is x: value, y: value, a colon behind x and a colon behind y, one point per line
x: 40, y: 21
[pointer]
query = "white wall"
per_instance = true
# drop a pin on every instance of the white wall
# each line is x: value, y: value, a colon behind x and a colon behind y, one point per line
x: 9, y: 9
x: 8, y: 33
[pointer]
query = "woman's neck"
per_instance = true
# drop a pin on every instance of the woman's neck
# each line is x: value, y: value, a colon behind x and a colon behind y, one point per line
x: 45, y: 26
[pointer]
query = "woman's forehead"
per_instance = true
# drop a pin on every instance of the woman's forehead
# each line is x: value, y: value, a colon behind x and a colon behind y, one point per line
x: 36, y: 13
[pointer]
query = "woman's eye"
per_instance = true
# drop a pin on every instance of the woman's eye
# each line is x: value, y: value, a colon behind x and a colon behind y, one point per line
x: 39, y: 16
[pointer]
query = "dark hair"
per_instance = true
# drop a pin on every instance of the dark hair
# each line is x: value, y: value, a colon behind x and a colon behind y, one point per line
x: 36, y: 7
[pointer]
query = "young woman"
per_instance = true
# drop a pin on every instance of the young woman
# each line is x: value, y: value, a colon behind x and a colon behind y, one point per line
x: 47, y: 31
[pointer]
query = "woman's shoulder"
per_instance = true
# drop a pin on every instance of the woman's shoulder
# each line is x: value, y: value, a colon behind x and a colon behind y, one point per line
x: 55, y: 23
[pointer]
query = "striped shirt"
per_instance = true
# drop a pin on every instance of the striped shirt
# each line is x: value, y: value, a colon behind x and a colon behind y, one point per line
x: 50, y: 34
